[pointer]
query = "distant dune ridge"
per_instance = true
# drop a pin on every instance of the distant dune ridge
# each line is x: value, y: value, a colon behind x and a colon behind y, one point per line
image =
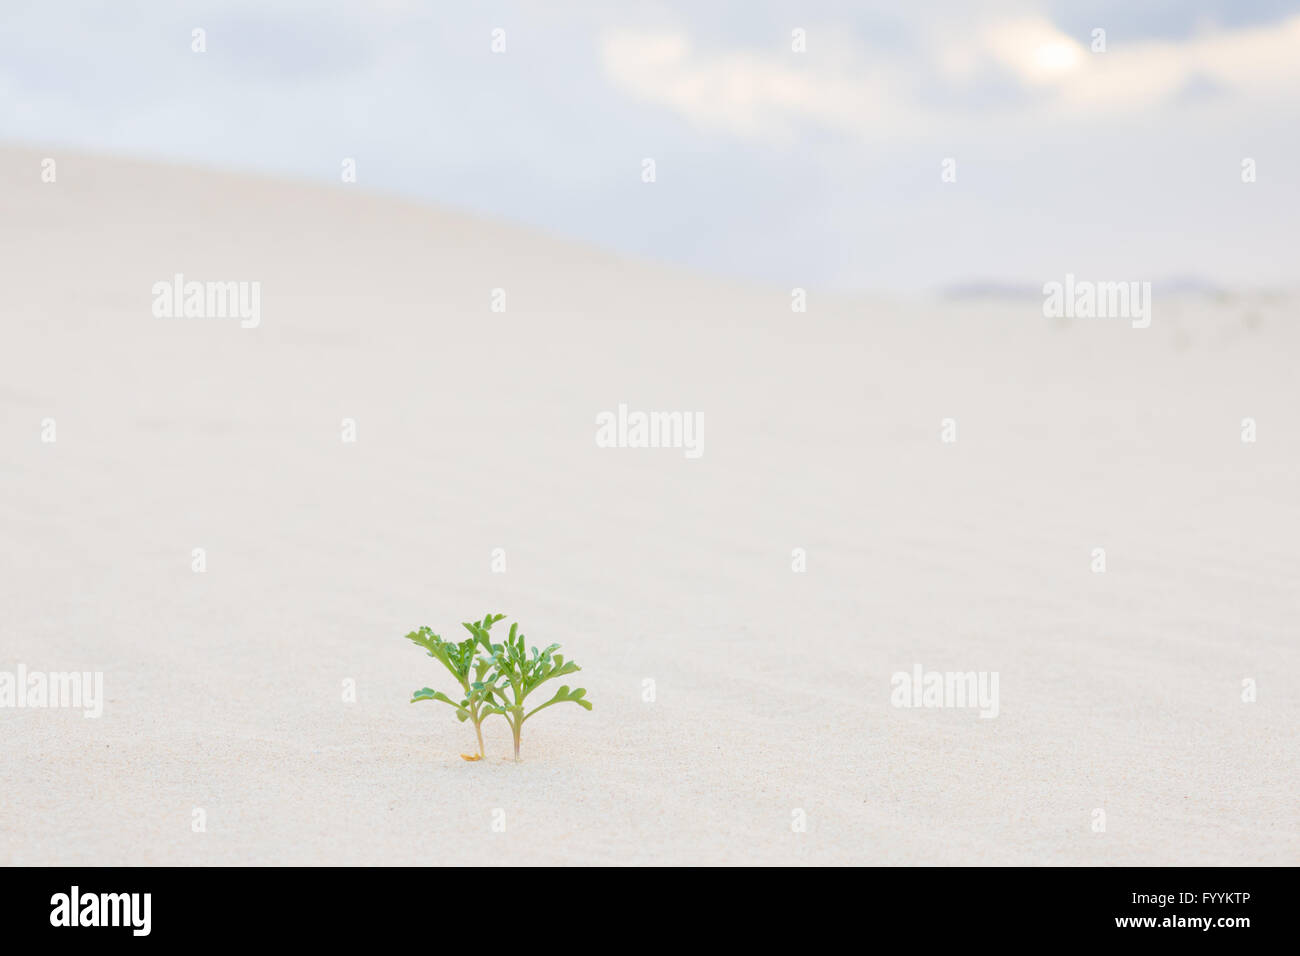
x: 233, y: 522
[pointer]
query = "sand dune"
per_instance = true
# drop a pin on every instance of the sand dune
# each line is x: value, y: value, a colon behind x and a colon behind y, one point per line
x: 1119, y: 691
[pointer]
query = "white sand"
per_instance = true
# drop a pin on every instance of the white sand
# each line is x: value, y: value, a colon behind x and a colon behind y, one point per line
x: 1119, y: 691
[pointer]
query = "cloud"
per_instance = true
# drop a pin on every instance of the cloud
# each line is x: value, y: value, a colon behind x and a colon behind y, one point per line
x: 870, y: 94
x: 743, y: 92
x: 1257, y: 63
x: 1036, y: 52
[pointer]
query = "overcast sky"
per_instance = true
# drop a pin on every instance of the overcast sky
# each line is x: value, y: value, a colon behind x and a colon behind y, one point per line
x: 819, y: 168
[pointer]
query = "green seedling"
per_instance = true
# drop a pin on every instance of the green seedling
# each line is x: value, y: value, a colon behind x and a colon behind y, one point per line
x: 468, y: 667
x: 516, y: 674
x: 496, y: 678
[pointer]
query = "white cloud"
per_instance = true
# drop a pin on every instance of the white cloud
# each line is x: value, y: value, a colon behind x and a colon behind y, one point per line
x: 1034, y: 50
x: 742, y: 92
x: 1257, y: 63
x: 870, y: 94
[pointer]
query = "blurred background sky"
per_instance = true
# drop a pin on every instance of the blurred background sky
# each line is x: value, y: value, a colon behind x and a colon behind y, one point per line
x: 819, y: 169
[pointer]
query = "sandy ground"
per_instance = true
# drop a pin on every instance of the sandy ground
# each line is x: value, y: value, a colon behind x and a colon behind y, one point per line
x: 1119, y: 691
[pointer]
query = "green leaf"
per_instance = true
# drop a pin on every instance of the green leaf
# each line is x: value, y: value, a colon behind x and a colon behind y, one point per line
x: 564, y: 695
x: 428, y: 693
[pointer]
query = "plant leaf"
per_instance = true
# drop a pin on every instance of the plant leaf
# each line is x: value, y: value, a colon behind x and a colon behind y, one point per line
x: 564, y: 695
x: 428, y: 693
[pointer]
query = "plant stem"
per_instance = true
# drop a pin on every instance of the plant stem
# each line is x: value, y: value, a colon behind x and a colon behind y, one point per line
x: 517, y: 727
